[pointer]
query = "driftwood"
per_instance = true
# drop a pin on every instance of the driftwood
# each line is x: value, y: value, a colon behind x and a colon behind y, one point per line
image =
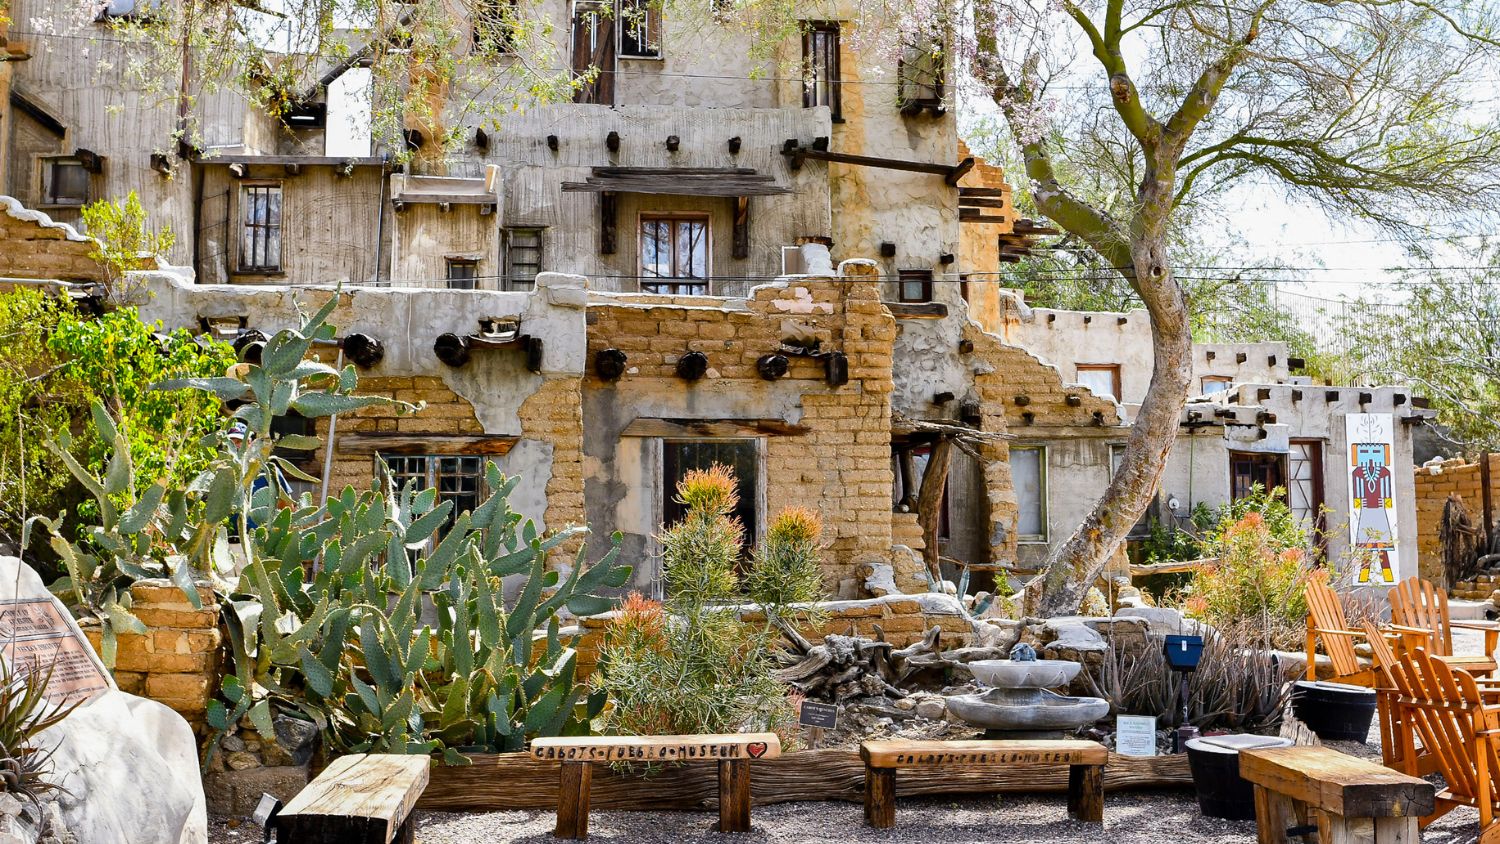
x: 503, y: 781
x: 930, y: 504
x: 1459, y: 539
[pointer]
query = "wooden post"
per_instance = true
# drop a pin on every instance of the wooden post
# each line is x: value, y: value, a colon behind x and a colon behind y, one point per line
x: 1086, y: 792
x: 573, y: 800
x: 741, y: 227
x: 608, y: 222
x: 1487, y: 498
x: 930, y: 502
x: 734, y: 795
x: 880, y: 797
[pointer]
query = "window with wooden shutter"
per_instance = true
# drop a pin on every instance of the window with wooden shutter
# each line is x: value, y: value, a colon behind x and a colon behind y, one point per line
x: 594, y: 52
x: 260, y: 228
x: 523, y: 257
x: 640, y: 29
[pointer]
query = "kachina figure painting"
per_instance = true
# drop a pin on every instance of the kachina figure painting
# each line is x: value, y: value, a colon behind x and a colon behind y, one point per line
x: 1372, y: 504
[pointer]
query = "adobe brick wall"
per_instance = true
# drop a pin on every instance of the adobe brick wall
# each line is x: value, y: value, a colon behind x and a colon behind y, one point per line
x: 177, y: 660
x: 554, y: 414
x: 841, y: 468
x: 33, y: 246
x: 1458, y: 477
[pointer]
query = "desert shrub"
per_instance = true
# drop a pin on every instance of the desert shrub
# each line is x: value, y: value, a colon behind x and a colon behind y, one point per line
x: 689, y: 664
x: 123, y: 240
x: 1260, y: 581
x: 1238, y: 684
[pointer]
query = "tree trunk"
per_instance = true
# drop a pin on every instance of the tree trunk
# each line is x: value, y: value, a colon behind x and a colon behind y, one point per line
x: 1074, y: 566
x: 930, y: 503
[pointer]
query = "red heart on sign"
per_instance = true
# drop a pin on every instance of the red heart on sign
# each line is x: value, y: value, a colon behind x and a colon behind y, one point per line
x: 756, y: 749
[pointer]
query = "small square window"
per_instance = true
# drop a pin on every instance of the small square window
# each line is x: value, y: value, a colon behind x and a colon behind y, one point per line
x: 459, y: 479
x: 915, y: 286
x: 495, y: 26
x: 1215, y: 384
x: 65, y: 181
x: 640, y: 29
x: 1103, y: 379
x: 462, y: 273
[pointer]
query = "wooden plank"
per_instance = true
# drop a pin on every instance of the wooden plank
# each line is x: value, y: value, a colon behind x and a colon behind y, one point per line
x: 713, y: 428
x: 803, y: 152
x: 967, y: 216
x: 965, y: 192
x: 502, y: 781
x: 707, y: 748
x: 917, y: 310
x: 1147, y: 569
x: 911, y: 754
x: 959, y: 171
x: 734, y: 795
x: 282, y: 160
x: 1086, y: 793
x: 880, y: 797
x: 1335, y: 782
x: 573, y: 800
x: 405, y: 443
x: 977, y: 202
x: 358, y: 799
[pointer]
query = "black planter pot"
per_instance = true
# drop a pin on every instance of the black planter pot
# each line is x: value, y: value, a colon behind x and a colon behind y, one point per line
x: 1215, y: 763
x: 1334, y: 711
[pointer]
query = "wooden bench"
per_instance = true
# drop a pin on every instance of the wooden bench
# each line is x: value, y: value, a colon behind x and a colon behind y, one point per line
x: 1304, y: 790
x: 733, y: 754
x: 359, y: 799
x: 1085, y: 761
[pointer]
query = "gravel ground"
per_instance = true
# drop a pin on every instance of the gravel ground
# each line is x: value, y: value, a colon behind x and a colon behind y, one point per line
x: 1148, y: 817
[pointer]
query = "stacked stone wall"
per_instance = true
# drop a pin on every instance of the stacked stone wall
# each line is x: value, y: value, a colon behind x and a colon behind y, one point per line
x: 1453, y: 477
x: 36, y: 247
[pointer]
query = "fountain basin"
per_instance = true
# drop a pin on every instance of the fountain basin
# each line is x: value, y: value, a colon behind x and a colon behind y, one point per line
x: 1038, y: 674
x: 1033, y: 709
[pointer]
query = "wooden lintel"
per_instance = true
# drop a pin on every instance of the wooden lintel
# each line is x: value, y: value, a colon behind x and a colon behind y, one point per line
x: 917, y: 310
x: 713, y: 428
x: 798, y: 152
x: 979, y: 202
x: 994, y: 192
x: 408, y: 443
x: 964, y: 217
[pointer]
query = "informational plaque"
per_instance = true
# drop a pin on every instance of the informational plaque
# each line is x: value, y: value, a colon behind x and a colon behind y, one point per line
x: 1135, y: 735
x: 822, y: 715
x: 34, y: 637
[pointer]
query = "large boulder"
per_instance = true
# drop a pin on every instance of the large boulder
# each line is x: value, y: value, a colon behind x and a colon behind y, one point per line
x: 129, y: 765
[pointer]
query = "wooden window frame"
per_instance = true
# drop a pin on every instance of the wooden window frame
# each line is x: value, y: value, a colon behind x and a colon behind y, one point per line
x: 675, y: 217
x: 47, y: 181
x: 810, y: 38
x: 913, y: 105
x: 1204, y: 381
x: 1318, y: 530
x: 1043, y: 500
x: 652, y: 23
x: 433, y: 474
x: 473, y: 278
x: 494, y: 27
x: 922, y: 277
x: 245, y: 191
x: 509, y: 279
x: 1259, y: 458
x: 757, y: 485
x: 601, y: 91
x: 1112, y: 368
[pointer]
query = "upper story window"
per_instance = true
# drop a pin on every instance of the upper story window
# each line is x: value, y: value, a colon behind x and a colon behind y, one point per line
x: 462, y: 273
x: 495, y: 26
x: 915, y: 286
x: 921, y: 77
x: 260, y: 228
x: 640, y: 29
x: 65, y: 181
x: 593, y: 52
x: 1101, y: 378
x: 523, y: 257
x: 1028, y: 477
x: 675, y: 250
x: 820, y: 60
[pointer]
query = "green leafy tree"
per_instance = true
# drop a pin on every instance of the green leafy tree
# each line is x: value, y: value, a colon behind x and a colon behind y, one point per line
x: 123, y: 240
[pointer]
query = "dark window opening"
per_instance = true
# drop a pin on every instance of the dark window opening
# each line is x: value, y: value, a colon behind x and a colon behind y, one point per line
x: 1304, y: 489
x: 523, y: 257
x: 741, y: 456
x: 65, y: 181
x: 820, y: 58
x: 495, y: 26
x: 674, y: 249
x: 260, y: 228
x: 593, y: 53
x: 915, y: 286
x: 1247, y: 470
x: 462, y: 273
x: 640, y: 29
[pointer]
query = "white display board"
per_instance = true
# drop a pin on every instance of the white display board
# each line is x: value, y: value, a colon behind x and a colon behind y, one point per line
x: 1370, y: 456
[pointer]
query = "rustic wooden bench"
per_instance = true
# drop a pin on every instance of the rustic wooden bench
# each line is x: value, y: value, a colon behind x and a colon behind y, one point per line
x: 359, y: 799
x: 1085, y: 761
x: 733, y: 754
x: 1301, y: 791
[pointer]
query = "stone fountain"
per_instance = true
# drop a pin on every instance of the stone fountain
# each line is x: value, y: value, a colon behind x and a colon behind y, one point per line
x: 1018, y: 703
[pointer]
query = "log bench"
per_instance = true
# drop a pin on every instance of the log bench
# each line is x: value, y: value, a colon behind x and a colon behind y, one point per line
x: 732, y: 753
x: 1302, y: 791
x: 1085, y: 761
x: 358, y: 799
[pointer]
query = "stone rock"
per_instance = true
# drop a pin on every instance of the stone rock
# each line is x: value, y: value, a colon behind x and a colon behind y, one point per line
x: 848, y: 589
x: 237, y: 792
x: 1094, y: 604
x: 932, y: 710
x: 905, y: 704
x: 129, y: 766
x: 1000, y: 634
x: 1160, y: 621
x: 882, y: 580
x: 242, y: 760
x: 1072, y: 633
x: 1126, y: 634
x: 298, y: 738
x: 232, y: 743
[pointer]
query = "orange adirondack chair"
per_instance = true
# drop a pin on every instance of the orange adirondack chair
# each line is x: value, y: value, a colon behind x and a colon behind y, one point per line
x: 1386, y: 709
x: 1447, y: 710
x: 1326, y: 622
x: 1419, y: 613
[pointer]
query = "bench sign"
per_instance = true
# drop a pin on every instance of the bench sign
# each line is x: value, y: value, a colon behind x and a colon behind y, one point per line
x: 1135, y: 735
x: 821, y: 715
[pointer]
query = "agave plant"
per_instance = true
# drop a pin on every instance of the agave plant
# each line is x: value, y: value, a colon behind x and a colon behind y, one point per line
x: 24, y: 713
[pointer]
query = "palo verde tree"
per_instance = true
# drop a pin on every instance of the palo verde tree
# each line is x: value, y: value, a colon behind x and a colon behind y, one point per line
x: 1366, y: 108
